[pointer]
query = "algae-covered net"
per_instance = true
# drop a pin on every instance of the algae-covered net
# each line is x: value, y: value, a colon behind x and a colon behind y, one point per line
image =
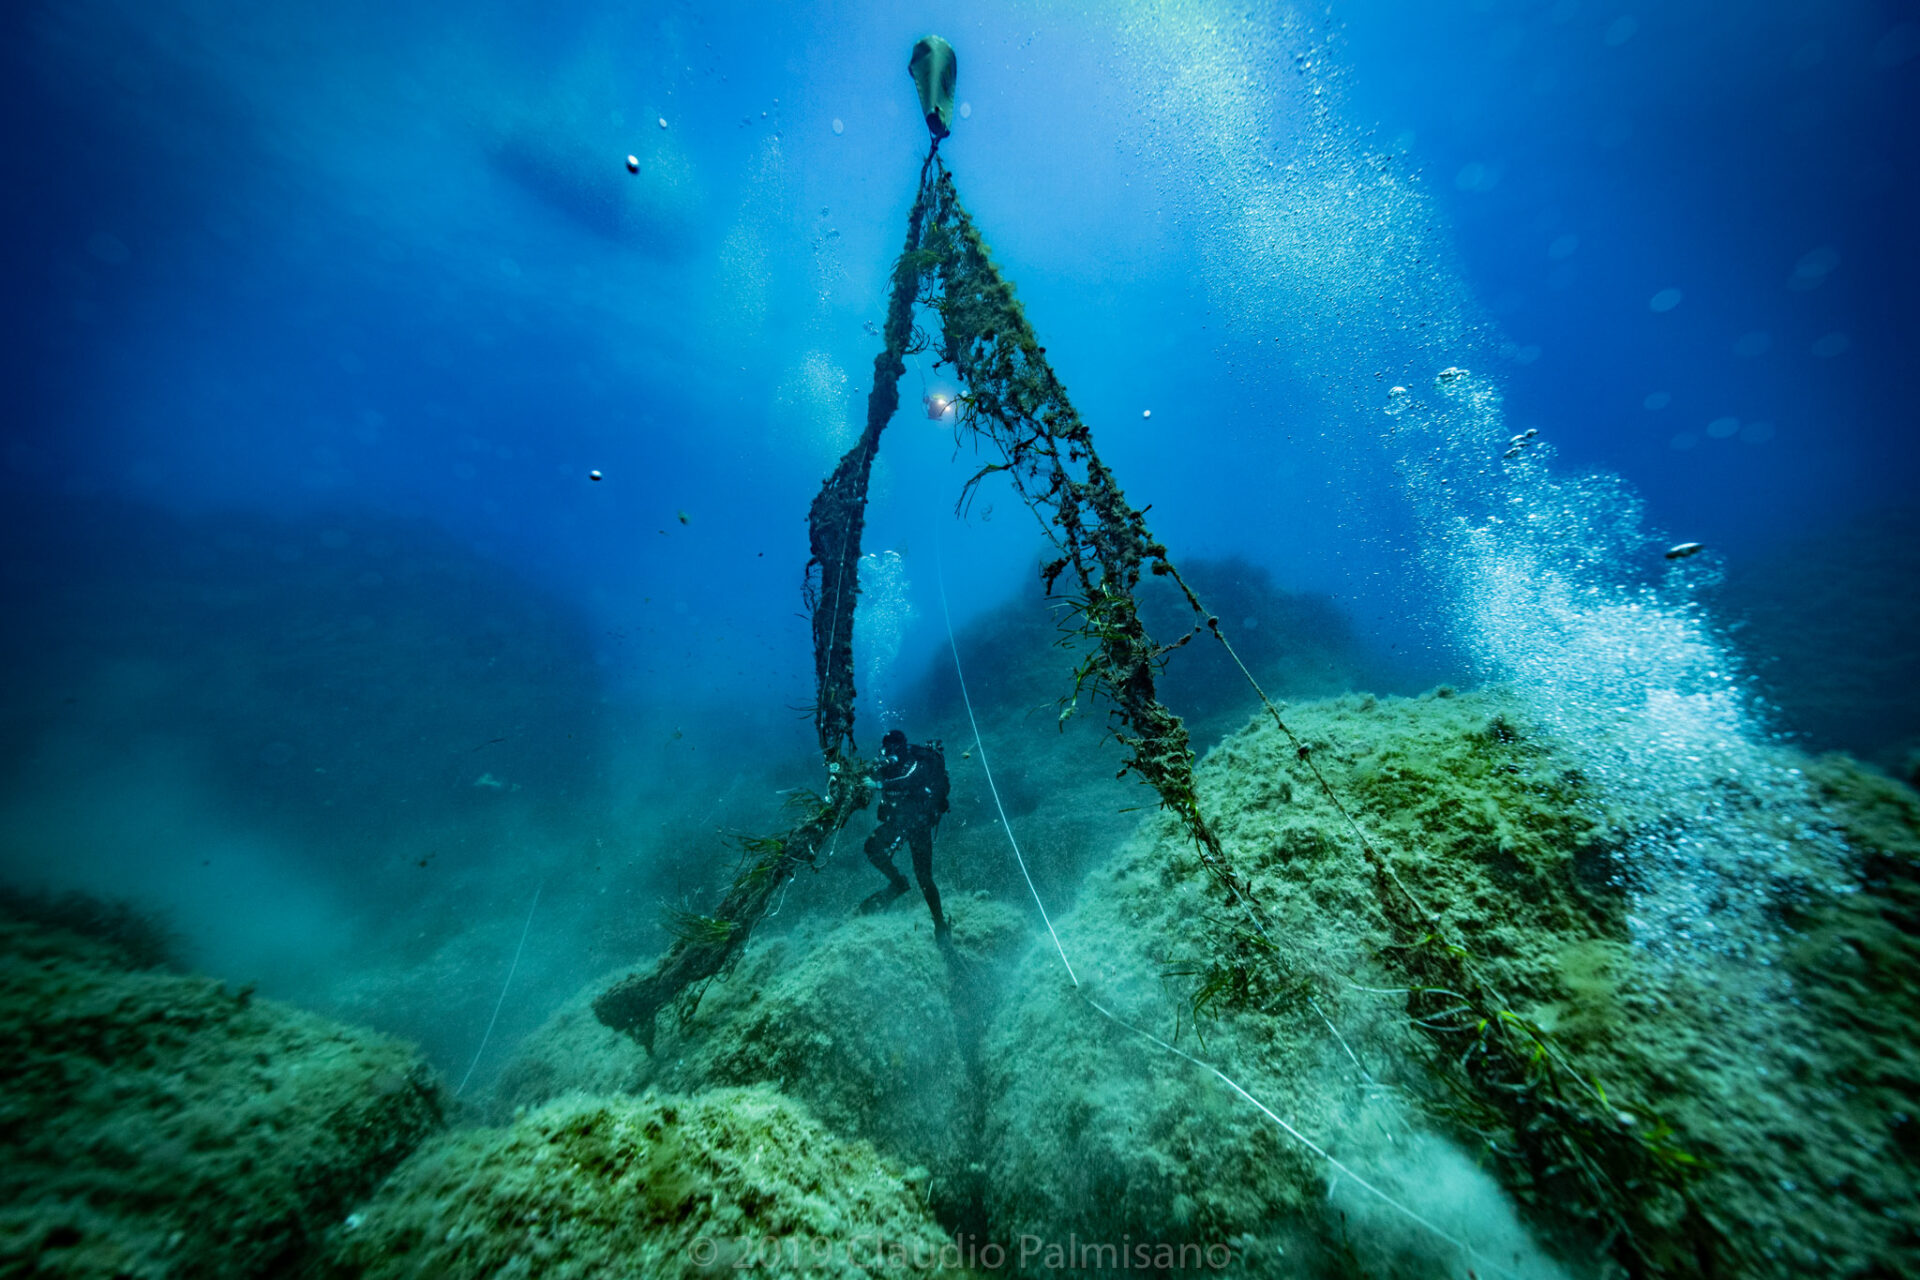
x: 1555, y: 1131
x: 1015, y: 403
x: 835, y: 522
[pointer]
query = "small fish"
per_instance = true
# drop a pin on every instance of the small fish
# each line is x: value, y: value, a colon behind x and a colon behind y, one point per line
x: 1680, y: 551
x: 685, y: 518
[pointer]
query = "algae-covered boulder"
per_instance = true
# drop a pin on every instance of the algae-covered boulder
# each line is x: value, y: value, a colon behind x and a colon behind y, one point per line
x: 159, y: 1125
x: 1054, y: 778
x: 571, y: 1052
x: 863, y: 1019
x: 1097, y: 1132
x: 1737, y: 1101
x: 867, y: 1022
x: 655, y: 1186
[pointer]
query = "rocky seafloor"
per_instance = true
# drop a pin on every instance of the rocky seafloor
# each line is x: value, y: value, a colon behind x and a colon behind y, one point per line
x: 1277, y: 1077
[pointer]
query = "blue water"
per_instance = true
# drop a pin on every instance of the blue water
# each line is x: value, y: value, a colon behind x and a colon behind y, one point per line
x: 320, y: 318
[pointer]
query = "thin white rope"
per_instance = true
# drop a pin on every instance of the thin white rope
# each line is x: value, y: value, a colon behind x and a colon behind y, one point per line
x: 1298, y: 1136
x: 783, y: 898
x: 1364, y: 1073
x: 524, y: 930
x: 1006, y: 826
x: 980, y: 744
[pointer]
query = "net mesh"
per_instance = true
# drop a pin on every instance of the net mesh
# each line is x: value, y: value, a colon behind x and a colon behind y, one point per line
x: 1563, y: 1141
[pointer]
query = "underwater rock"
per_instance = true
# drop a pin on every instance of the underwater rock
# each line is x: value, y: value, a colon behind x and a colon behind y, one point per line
x: 571, y: 1052
x: 1056, y: 779
x: 867, y: 1023
x: 1761, y: 1079
x: 1094, y: 1131
x: 155, y: 1124
x: 657, y: 1186
x: 309, y: 667
x: 862, y: 1018
x: 128, y: 935
x: 1298, y: 645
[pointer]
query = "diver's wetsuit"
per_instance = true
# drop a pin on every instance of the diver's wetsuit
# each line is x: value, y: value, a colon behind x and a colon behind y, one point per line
x: 913, y: 795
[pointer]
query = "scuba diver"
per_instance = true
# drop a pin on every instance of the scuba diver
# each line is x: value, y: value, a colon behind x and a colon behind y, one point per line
x: 913, y: 794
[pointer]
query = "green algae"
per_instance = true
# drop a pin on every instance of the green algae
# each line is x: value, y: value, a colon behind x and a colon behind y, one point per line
x: 891, y: 1088
x: 130, y: 937
x: 651, y: 1186
x: 571, y: 1052
x: 1785, y: 1114
x: 863, y: 1020
x: 155, y: 1124
x: 1780, y: 1118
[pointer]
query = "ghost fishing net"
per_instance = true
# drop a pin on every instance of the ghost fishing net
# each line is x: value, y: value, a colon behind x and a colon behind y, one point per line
x: 1562, y: 1141
x: 1566, y: 1142
x: 705, y: 946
